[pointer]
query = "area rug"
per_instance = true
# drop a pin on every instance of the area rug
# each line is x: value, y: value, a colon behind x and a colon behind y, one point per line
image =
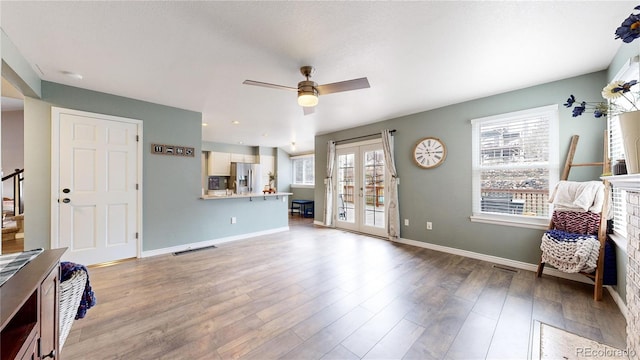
x: 549, y: 342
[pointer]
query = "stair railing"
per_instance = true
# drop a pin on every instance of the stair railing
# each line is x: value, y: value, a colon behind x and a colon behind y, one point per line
x: 18, y: 204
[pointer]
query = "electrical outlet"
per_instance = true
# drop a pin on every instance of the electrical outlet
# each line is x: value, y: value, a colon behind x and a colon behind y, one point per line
x: 406, y: 222
x: 429, y: 225
x: 233, y: 219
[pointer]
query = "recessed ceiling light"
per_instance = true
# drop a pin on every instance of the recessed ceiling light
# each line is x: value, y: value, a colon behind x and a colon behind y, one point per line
x: 72, y: 75
x: 204, y: 124
x: 240, y: 142
x: 235, y: 122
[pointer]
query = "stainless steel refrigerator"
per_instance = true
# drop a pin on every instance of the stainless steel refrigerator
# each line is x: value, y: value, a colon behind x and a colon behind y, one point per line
x: 245, y: 178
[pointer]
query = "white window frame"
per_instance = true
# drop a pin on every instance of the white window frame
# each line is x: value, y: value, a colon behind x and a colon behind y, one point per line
x: 293, y: 171
x: 534, y: 222
x: 629, y: 71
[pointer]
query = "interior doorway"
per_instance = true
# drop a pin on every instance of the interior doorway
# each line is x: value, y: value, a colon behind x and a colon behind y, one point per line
x: 360, y: 188
x: 12, y: 168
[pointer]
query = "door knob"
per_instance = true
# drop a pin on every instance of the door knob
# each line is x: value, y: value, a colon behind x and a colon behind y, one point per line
x: 66, y: 191
x: 66, y: 200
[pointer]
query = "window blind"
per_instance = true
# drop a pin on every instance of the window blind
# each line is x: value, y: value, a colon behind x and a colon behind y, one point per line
x: 512, y: 163
x: 616, y: 149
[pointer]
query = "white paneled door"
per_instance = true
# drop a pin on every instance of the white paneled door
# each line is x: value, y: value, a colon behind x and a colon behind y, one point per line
x: 360, y: 193
x: 95, y: 193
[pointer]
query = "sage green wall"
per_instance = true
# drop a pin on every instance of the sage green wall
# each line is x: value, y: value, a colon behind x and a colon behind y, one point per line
x: 16, y: 70
x: 229, y: 148
x: 303, y: 193
x: 173, y: 214
x: 443, y: 195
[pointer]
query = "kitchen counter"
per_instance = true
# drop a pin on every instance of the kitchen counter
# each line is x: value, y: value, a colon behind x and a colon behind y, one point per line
x: 244, y: 196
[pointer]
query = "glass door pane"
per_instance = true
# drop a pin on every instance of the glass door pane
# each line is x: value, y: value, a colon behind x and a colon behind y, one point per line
x: 346, y: 188
x: 373, y: 169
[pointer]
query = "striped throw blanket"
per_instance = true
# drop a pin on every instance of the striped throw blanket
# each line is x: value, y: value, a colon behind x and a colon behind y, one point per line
x: 576, y: 222
x: 11, y: 263
x: 569, y: 252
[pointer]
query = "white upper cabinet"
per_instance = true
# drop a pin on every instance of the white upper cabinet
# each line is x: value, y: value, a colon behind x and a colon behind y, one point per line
x: 243, y: 158
x: 219, y: 164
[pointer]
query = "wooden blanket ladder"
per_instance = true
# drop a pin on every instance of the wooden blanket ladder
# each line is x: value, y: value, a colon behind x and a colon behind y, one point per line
x: 596, y: 276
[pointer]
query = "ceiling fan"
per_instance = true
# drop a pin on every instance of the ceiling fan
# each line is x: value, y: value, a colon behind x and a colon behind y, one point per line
x: 308, y: 90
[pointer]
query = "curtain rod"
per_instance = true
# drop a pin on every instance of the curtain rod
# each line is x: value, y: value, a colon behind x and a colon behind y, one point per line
x: 364, y: 136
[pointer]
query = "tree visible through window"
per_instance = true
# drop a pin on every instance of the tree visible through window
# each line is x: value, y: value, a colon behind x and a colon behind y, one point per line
x: 303, y: 170
x: 514, y: 164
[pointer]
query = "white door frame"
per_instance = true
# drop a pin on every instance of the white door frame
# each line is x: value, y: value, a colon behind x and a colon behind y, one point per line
x: 55, y: 170
x: 359, y: 224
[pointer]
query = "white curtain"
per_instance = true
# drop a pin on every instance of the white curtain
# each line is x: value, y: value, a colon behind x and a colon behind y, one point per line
x: 393, y: 217
x: 328, y: 192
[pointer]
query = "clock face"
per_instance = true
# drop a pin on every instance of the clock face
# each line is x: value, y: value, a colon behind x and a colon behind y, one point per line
x: 429, y: 152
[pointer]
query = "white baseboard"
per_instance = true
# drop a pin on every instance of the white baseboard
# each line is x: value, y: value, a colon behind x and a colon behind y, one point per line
x: 206, y: 243
x: 619, y: 301
x: 495, y: 260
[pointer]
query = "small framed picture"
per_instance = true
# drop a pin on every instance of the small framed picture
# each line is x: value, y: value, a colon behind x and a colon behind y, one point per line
x: 157, y: 149
x: 179, y: 151
x: 189, y: 151
x: 169, y: 150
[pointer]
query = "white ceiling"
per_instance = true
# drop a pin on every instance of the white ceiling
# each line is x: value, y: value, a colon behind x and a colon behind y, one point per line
x: 416, y: 55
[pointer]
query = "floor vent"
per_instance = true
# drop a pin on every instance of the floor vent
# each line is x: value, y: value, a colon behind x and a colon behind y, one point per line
x: 506, y: 268
x: 193, y: 250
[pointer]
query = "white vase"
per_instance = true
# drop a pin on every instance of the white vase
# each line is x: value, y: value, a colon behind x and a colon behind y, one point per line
x: 630, y: 129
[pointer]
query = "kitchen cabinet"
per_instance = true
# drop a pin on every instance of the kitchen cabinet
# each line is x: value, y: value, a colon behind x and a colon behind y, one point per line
x: 219, y: 164
x: 243, y: 158
x: 29, y: 320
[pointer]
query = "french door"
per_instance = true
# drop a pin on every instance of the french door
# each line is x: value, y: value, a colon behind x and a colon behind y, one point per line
x: 360, y: 188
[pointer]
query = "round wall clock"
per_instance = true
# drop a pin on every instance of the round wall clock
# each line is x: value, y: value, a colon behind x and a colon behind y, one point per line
x: 429, y: 152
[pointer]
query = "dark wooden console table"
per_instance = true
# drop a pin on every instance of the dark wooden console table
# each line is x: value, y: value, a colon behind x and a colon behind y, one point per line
x: 29, y: 317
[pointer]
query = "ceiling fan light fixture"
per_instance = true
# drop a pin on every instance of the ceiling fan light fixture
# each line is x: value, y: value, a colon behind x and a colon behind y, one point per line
x: 307, y: 93
x: 307, y: 99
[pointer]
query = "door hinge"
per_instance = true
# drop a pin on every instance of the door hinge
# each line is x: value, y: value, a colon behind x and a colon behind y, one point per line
x: 137, y: 138
x: 137, y: 187
x: 136, y: 235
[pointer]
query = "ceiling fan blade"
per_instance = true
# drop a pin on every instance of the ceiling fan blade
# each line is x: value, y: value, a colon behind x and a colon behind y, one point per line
x: 348, y: 85
x: 264, y: 84
x: 308, y: 110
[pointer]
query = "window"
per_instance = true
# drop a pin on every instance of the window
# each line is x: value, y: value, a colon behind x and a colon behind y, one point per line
x: 515, y: 164
x: 616, y: 151
x: 303, y: 170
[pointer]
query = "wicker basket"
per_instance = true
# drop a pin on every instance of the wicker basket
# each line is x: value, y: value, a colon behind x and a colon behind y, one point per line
x: 70, y: 295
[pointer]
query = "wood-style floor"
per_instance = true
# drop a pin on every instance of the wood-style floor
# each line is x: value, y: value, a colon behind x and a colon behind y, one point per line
x: 316, y: 293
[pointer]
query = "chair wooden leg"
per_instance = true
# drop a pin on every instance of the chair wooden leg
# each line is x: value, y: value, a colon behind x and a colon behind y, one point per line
x: 540, y: 268
x: 599, y: 274
x: 597, y: 290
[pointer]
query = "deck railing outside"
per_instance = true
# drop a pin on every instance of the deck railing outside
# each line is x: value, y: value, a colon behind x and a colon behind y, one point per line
x: 535, y: 201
